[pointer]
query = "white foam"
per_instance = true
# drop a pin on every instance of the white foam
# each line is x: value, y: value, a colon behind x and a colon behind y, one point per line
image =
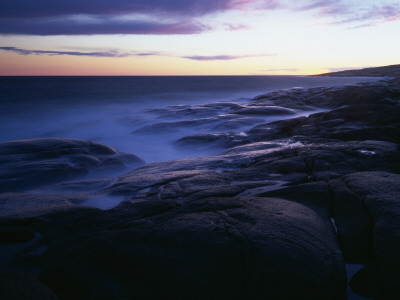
x: 367, y: 152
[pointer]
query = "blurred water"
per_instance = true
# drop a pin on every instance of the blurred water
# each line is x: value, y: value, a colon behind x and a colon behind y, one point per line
x: 109, y: 109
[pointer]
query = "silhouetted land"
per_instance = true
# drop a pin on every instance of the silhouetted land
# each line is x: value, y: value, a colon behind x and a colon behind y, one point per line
x: 392, y: 71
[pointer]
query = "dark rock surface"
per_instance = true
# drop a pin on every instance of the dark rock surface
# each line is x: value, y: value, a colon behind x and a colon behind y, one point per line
x: 20, y: 286
x: 28, y: 205
x: 275, y: 215
x: 245, y: 248
x: 380, y: 192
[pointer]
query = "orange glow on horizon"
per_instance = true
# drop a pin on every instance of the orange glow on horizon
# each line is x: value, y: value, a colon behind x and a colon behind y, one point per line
x: 41, y: 65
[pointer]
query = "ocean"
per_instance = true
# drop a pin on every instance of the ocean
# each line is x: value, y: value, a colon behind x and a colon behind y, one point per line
x: 140, y: 115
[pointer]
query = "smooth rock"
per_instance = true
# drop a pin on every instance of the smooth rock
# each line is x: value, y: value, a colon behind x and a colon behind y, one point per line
x: 220, y: 248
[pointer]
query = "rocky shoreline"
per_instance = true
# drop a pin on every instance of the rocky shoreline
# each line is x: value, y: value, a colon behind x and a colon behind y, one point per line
x: 276, y: 215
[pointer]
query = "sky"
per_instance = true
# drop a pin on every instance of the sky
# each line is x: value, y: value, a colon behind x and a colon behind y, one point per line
x: 196, y: 37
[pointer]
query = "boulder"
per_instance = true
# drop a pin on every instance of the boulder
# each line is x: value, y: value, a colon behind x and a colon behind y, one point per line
x: 219, y: 248
x: 380, y: 192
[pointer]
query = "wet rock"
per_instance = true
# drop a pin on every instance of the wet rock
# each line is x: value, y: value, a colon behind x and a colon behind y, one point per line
x: 218, y: 140
x: 21, y: 286
x: 375, y: 121
x: 77, y: 187
x: 264, y: 110
x: 260, y: 146
x: 365, y: 112
x: 220, y: 248
x: 237, y: 123
x: 328, y: 160
x: 298, y: 98
x: 215, y: 123
x: 25, y: 205
x: 204, y: 110
x: 28, y: 164
x: 318, y: 162
x: 331, y: 98
x: 130, y: 183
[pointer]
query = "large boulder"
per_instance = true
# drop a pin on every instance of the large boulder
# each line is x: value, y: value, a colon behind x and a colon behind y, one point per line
x: 367, y: 210
x: 219, y: 248
x: 381, y: 194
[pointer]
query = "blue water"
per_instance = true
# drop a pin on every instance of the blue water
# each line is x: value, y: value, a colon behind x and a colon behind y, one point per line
x: 110, y: 109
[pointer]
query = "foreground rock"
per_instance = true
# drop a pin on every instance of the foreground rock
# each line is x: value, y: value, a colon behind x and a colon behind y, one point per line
x: 20, y: 286
x: 247, y: 248
x: 380, y: 193
x: 28, y: 164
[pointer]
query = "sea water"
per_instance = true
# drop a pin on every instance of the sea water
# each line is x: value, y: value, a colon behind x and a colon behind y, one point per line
x: 113, y: 110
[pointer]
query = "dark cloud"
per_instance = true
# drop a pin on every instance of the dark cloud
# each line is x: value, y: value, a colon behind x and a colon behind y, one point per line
x: 74, y: 53
x: 52, y: 8
x: 77, y: 17
x: 76, y: 26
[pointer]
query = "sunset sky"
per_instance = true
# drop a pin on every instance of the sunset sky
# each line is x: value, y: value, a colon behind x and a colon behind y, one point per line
x: 196, y: 37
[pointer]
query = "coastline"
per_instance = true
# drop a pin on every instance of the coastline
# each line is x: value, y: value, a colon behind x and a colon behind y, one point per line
x: 252, y: 222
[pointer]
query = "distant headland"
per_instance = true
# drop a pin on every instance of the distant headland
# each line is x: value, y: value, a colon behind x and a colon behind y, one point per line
x: 392, y: 71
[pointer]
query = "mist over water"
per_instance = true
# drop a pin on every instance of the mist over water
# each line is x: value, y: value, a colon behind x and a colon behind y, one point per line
x: 119, y: 111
